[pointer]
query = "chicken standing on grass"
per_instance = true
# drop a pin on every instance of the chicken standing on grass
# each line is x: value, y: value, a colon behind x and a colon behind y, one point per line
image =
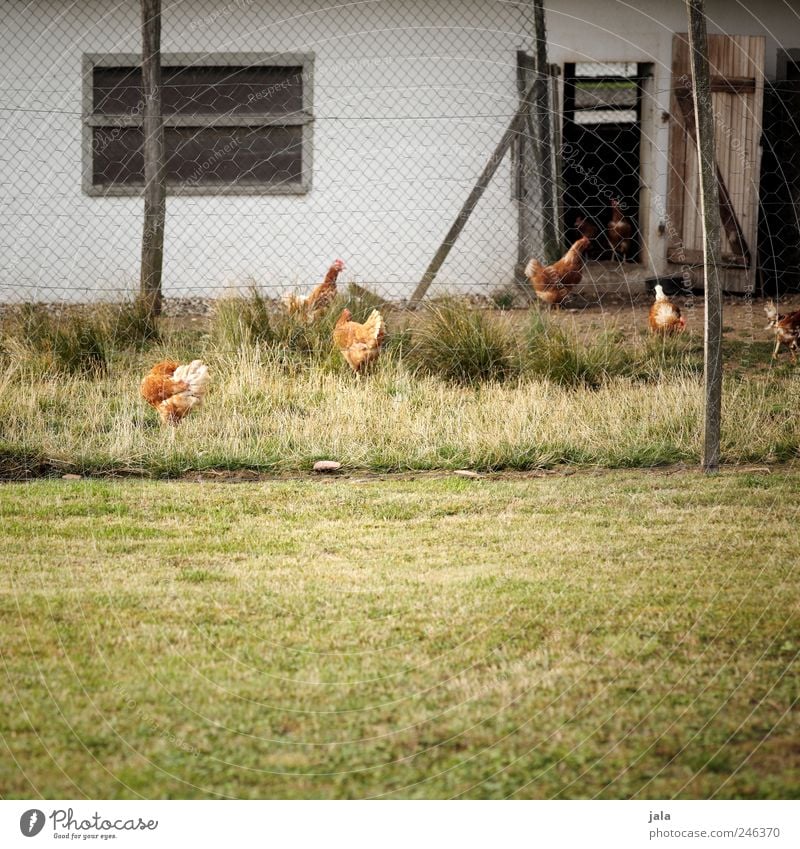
x: 360, y: 344
x: 175, y: 390
x: 552, y: 283
x: 665, y: 318
x: 316, y: 304
x: 787, y: 330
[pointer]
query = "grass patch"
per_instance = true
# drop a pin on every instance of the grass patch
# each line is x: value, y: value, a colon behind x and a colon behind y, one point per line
x: 265, y: 414
x: 73, y: 341
x: 554, y: 353
x: 240, y: 320
x: 621, y: 635
x: 455, y: 387
x: 463, y: 345
x: 243, y: 321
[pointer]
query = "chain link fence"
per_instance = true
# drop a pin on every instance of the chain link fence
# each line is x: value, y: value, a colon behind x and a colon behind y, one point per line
x: 298, y: 132
x: 295, y: 133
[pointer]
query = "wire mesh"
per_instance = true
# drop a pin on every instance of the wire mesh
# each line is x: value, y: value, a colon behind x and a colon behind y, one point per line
x: 296, y: 133
x: 299, y: 132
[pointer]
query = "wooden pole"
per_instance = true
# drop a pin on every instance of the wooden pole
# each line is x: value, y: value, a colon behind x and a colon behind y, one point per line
x: 709, y: 196
x: 522, y: 180
x: 155, y: 169
x: 472, y: 200
x: 543, y: 141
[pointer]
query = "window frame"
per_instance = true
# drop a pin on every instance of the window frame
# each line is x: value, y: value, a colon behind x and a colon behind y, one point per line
x: 305, y: 119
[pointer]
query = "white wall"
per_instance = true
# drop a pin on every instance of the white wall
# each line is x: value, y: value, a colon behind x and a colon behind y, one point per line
x: 410, y: 99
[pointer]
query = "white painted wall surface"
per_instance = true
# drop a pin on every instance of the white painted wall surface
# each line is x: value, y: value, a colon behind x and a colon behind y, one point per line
x: 410, y: 99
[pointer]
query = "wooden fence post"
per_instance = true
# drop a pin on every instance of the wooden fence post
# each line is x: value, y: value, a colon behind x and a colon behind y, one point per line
x: 155, y: 169
x: 709, y: 195
x: 543, y: 140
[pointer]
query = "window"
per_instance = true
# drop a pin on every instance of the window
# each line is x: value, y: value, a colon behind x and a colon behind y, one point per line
x: 236, y: 124
x: 605, y: 93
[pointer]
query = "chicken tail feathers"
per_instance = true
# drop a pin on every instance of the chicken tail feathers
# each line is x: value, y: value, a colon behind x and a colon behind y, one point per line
x: 376, y: 326
x: 533, y: 268
x: 195, y: 376
x: 293, y: 304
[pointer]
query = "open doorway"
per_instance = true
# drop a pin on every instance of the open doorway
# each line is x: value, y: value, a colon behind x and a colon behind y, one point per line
x: 601, y: 157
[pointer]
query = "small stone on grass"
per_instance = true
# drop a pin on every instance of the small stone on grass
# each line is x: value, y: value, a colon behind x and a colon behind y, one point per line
x: 327, y: 467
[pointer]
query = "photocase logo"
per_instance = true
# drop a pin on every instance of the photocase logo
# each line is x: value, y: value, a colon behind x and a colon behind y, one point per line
x: 31, y: 822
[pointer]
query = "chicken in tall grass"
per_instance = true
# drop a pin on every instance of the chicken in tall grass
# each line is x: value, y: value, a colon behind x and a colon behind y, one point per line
x: 316, y: 304
x: 174, y: 390
x: 360, y: 344
x: 553, y: 283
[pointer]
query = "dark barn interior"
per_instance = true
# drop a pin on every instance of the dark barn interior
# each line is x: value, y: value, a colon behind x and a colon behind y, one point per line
x: 779, y: 208
x: 602, y: 133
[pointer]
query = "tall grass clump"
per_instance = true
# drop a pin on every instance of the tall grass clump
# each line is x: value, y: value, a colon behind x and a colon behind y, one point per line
x: 240, y: 320
x: 680, y: 353
x: 361, y: 302
x: 75, y: 340
x: 71, y: 342
x: 556, y: 355
x: 461, y: 344
x: 296, y: 339
x: 130, y: 325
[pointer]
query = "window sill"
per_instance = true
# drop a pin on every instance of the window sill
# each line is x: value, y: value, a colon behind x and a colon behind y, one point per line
x: 93, y: 190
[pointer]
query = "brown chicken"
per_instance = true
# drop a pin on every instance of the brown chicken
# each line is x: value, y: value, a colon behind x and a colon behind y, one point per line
x: 552, y: 283
x: 175, y: 390
x: 586, y: 227
x: 619, y: 232
x: 316, y: 304
x: 665, y: 318
x: 787, y: 330
x: 360, y: 344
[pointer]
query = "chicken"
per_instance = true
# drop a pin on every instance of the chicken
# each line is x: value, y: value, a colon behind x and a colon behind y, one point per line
x: 174, y: 390
x: 619, y: 231
x: 552, y: 283
x: 360, y: 344
x: 586, y: 227
x: 665, y: 318
x: 316, y: 304
x: 787, y: 330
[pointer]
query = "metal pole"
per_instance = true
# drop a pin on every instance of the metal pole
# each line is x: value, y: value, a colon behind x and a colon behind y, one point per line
x: 155, y: 169
x: 709, y: 196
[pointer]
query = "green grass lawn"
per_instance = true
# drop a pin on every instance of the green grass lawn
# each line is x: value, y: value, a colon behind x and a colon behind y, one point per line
x: 614, y: 635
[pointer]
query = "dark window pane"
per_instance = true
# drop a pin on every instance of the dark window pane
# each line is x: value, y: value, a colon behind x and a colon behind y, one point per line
x: 117, y: 91
x: 206, y: 156
x: 117, y: 157
x: 232, y: 91
x: 205, y: 90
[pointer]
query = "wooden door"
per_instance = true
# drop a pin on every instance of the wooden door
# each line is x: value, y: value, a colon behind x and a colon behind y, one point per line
x: 737, y: 92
